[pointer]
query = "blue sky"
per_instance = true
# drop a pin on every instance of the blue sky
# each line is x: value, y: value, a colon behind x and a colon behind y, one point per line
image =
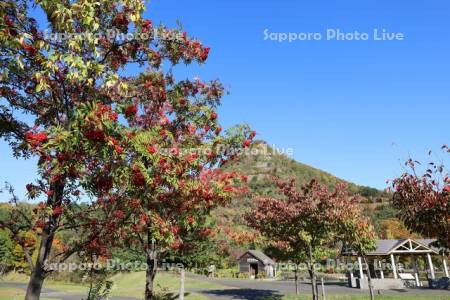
x: 356, y: 109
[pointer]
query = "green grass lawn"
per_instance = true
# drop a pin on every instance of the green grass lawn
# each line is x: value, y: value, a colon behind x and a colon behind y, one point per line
x: 125, y: 284
x: 132, y: 284
x: 7, y: 293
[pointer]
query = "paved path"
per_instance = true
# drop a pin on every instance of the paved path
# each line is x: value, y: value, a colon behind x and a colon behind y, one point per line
x: 239, y: 289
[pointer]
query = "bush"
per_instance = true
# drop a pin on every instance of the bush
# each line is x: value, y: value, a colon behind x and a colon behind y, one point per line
x: 243, y: 275
x: 227, y: 273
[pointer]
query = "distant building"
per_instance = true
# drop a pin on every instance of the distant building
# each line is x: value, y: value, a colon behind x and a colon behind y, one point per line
x: 386, y: 271
x: 255, y: 263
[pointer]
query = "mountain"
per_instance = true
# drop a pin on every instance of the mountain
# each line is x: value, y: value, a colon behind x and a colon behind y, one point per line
x: 261, y: 162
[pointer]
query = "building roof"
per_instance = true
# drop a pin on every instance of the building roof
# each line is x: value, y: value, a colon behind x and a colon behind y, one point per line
x: 259, y: 256
x: 401, y: 246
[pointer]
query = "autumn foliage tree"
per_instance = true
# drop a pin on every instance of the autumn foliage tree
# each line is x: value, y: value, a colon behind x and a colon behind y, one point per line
x: 172, y: 178
x: 305, y: 220
x: 96, y: 130
x: 423, y: 200
x: 16, y: 225
x: 358, y: 235
x: 60, y: 86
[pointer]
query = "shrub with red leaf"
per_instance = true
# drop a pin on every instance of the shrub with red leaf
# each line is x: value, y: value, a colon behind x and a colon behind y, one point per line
x: 423, y: 201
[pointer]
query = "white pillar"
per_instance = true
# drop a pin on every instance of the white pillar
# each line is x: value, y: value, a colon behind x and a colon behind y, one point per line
x: 352, y: 279
x: 380, y: 264
x: 416, y: 277
x: 394, y: 267
x: 416, y: 271
x: 444, y: 262
x: 323, y: 289
x: 182, y: 279
x: 430, y: 265
x: 360, y: 268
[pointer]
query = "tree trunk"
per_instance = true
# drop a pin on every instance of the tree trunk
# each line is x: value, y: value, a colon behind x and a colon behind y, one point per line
x: 48, y: 233
x: 182, y: 277
x: 369, y: 279
x: 312, y: 274
x: 38, y: 274
x: 296, y: 280
x: 323, y: 289
x: 150, y: 275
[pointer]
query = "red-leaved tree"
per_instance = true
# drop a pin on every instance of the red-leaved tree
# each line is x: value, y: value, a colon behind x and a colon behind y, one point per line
x: 305, y: 220
x: 423, y: 200
x: 173, y: 176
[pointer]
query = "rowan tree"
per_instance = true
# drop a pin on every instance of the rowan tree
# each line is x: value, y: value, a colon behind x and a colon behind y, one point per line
x: 304, y: 220
x: 74, y: 95
x: 173, y: 180
x: 423, y: 200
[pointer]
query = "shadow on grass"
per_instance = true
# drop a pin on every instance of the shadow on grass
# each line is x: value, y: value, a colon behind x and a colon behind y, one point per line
x: 400, y: 290
x: 247, y: 294
x: 170, y: 296
x: 335, y: 283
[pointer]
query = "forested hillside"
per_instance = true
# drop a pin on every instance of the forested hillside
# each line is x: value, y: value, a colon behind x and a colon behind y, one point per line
x: 261, y: 163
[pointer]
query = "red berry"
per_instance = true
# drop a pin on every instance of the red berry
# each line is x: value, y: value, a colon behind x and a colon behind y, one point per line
x: 146, y: 26
x: 119, y: 214
x: 120, y: 20
x: 9, y: 22
x: 152, y: 149
x: 204, y: 53
x: 174, y: 151
x: 35, y: 139
x: 130, y: 111
x: 118, y: 149
x: 175, y: 229
x: 57, y: 211
x: 176, y: 245
x: 29, y: 187
x: 191, y: 157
